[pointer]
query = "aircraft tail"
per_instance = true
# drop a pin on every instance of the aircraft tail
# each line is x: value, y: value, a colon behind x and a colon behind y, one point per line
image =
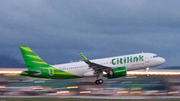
x: 33, y: 61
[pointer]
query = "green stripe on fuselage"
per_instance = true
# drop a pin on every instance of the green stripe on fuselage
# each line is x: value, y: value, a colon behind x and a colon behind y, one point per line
x: 52, y: 73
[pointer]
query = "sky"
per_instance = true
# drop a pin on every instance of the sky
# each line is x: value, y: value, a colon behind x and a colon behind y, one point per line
x: 57, y: 30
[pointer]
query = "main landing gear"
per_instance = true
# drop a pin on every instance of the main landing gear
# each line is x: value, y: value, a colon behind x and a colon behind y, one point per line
x: 99, y: 81
x: 147, y: 69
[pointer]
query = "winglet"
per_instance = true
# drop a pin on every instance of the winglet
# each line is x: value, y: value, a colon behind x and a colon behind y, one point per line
x: 83, y: 57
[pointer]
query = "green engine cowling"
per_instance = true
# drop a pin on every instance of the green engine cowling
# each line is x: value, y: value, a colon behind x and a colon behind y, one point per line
x: 117, y: 72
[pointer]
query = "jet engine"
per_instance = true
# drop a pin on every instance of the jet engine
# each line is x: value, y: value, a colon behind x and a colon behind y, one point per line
x: 116, y: 72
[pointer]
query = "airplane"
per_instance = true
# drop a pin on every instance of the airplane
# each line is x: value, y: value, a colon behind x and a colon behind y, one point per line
x: 111, y: 67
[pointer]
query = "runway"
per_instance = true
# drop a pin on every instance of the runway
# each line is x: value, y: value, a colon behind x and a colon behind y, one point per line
x: 99, y: 97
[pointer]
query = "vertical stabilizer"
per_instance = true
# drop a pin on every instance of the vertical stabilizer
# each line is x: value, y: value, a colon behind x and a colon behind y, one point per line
x: 33, y: 61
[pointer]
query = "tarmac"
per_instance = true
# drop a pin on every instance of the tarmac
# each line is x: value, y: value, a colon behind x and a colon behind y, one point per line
x: 98, y: 97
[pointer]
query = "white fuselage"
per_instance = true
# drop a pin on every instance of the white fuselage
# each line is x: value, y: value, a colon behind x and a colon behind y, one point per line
x: 131, y: 62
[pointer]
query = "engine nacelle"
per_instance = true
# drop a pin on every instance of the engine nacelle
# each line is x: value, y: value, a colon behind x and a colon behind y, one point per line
x: 117, y: 72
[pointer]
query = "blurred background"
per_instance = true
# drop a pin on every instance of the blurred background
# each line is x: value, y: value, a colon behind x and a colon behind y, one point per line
x: 155, y: 82
x: 57, y: 30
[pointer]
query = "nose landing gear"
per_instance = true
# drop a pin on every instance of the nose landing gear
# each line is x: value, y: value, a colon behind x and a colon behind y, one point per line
x: 147, y: 69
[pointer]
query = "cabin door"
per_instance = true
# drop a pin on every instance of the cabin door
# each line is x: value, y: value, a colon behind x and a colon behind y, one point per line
x: 51, y: 71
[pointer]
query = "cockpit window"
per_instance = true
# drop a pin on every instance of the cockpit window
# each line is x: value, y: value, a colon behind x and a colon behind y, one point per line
x: 155, y: 56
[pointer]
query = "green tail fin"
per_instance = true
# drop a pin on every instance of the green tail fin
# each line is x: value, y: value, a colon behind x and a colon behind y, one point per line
x: 33, y: 61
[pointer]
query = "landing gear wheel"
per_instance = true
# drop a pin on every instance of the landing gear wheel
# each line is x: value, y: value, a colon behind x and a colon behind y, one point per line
x: 100, y: 81
x: 97, y: 82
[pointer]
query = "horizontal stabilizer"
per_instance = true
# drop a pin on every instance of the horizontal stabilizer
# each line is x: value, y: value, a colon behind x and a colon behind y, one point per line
x: 32, y: 72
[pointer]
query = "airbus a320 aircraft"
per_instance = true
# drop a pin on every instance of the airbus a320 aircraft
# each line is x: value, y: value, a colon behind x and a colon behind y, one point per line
x: 111, y: 67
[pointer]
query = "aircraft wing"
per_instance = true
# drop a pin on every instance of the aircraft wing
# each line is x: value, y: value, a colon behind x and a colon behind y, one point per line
x: 96, y: 67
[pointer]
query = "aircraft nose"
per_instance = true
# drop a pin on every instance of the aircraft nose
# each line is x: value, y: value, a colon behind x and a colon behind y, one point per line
x: 162, y: 60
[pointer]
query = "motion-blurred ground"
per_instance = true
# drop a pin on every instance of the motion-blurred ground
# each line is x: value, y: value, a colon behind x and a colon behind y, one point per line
x: 15, y: 85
